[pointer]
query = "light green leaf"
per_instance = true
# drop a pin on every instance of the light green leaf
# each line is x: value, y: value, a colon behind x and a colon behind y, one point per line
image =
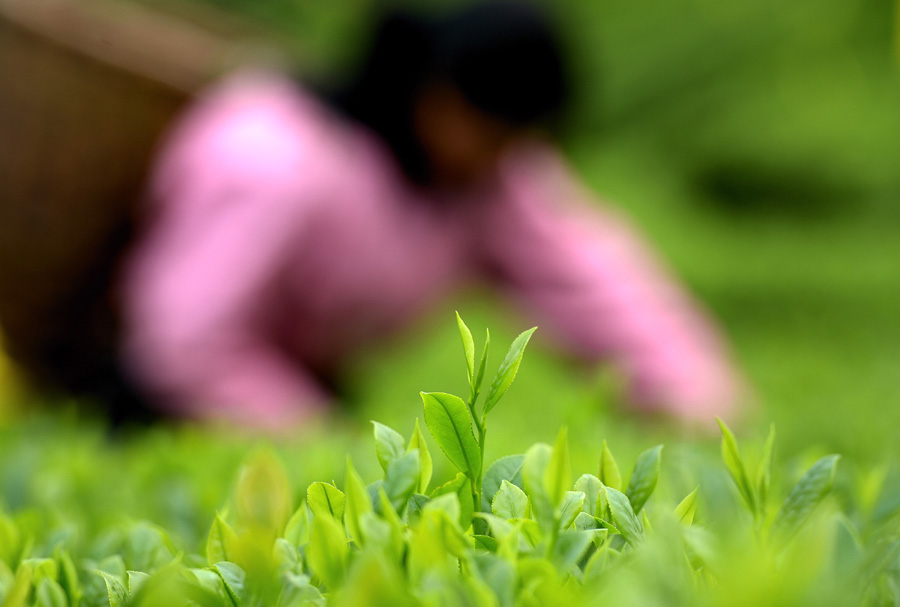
x: 50, y: 594
x: 136, y: 580
x: 357, y: 502
x: 394, y: 522
x: 644, y: 477
x: 388, y: 444
x: 287, y: 555
x: 448, y: 420
x: 609, y: 469
x: 479, y: 378
x: 508, y: 369
x: 448, y: 503
x: 764, y: 470
x: 263, y: 493
x: 534, y: 471
x: 68, y: 576
x: 469, y: 348
x: 684, y: 512
x: 402, y: 478
x: 234, y: 578
x: 509, y: 501
x: 462, y: 487
x: 17, y: 594
x: 591, y: 486
x: 115, y: 588
x: 325, y: 499
x: 414, y: 507
x: 558, y: 477
x: 805, y: 496
x: 507, y: 468
x: 297, y: 529
x: 572, y: 503
x: 623, y: 516
x: 417, y: 441
x: 735, y: 465
x: 220, y: 542
x: 327, y: 552
x: 569, y: 548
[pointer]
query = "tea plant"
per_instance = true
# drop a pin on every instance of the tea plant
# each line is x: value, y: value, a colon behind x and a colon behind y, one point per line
x: 520, y: 532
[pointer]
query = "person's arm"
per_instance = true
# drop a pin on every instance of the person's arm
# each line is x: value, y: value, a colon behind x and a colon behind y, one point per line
x: 588, y: 278
x: 233, y: 207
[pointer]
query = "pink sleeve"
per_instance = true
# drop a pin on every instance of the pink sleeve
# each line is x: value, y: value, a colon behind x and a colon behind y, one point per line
x: 587, y: 277
x: 231, y: 210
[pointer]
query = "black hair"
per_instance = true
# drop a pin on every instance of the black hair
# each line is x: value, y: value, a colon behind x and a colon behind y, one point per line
x: 502, y: 57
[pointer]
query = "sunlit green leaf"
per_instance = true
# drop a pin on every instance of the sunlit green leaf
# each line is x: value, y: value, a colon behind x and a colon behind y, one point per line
x: 644, y: 477
x: 805, y: 496
x: 469, y: 348
x: 449, y: 422
x: 325, y: 499
x: 508, y: 369
x: 509, y: 501
x: 388, y: 444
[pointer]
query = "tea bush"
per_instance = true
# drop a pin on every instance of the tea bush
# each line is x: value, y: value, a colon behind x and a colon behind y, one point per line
x: 521, y: 531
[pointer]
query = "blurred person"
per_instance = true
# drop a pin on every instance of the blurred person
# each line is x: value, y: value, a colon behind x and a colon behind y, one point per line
x: 289, y: 228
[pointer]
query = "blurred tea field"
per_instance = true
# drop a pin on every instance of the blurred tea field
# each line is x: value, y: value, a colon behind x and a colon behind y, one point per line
x: 757, y: 143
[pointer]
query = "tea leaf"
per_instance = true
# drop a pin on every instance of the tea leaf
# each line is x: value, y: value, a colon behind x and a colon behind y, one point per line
x: 469, y: 348
x: 684, y: 512
x: 805, y: 496
x: 220, y: 541
x: 357, y: 502
x: 448, y: 420
x: 233, y: 577
x: 732, y: 457
x: 17, y: 594
x: 644, y: 477
x: 479, y: 378
x: 327, y: 552
x: 534, y: 471
x: 509, y: 501
x: 508, y: 468
x: 463, y: 490
x: 325, y: 499
x: 263, y: 492
x: 388, y: 444
x: 118, y: 596
x: 68, y: 576
x: 297, y: 529
x: 417, y: 441
x: 508, y: 369
x: 569, y: 548
x: 402, y: 478
x: 572, y: 503
x: 764, y: 471
x: 609, y: 470
x: 50, y: 594
x: 558, y: 477
x: 591, y: 486
x: 623, y: 516
x: 136, y: 580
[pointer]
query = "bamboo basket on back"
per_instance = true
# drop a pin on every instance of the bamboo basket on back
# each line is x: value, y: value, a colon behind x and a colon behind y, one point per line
x: 86, y: 89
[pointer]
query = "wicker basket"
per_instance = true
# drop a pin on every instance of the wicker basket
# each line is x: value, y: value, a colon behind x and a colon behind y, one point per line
x: 86, y: 87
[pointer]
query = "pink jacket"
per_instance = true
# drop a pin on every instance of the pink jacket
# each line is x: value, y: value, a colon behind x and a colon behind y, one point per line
x: 284, y: 237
